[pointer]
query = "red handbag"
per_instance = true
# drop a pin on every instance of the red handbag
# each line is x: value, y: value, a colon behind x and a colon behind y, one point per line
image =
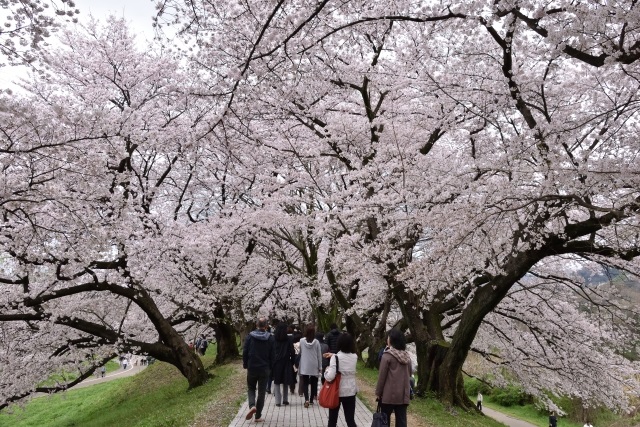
x: 329, y: 396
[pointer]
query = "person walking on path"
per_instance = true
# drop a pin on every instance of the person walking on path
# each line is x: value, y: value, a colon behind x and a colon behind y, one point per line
x: 310, y: 366
x: 332, y: 338
x: 283, y: 374
x: 258, y: 356
x: 348, y: 358
x: 394, y: 388
x: 479, y: 401
x: 324, y: 349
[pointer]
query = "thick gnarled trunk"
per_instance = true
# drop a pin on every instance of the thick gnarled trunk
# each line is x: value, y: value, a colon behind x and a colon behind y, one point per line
x: 179, y: 354
x: 227, y: 346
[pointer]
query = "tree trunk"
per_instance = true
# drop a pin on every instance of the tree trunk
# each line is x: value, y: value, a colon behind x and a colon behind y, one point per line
x: 227, y: 346
x: 180, y: 355
x: 188, y: 363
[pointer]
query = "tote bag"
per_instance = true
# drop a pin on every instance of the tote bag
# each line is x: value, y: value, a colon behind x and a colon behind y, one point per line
x: 380, y: 418
x: 329, y: 396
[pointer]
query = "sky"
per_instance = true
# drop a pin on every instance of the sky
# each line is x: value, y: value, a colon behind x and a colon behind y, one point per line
x: 138, y: 14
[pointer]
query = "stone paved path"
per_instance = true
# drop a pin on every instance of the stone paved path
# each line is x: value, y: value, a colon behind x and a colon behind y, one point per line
x: 295, y: 414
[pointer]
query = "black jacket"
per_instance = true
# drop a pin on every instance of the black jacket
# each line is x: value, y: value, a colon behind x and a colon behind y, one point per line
x: 332, y: 340
x: 283, y: 366
x: 258, y: 353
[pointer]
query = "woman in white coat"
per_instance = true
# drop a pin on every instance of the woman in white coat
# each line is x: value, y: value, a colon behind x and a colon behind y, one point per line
x: 347, y: 359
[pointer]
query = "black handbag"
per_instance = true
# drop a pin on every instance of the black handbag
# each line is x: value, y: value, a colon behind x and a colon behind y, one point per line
x: 379, y: 418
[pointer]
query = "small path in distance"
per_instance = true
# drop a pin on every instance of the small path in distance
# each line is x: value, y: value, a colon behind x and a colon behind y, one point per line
x: 506, y: 419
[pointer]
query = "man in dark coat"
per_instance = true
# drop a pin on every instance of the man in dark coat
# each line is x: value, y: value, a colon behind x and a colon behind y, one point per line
x: 332, y: 338
x: 258, y: 357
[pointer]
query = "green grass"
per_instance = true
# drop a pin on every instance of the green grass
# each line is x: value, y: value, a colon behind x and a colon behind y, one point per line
x: 156, y: 397
x: 430, y: 409
x: 539, y: 418
x: 64, y: 377
x: 528, y: 413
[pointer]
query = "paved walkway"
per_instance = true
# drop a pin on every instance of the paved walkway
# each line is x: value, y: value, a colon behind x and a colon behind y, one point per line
x: 295, y: 414
x: 505, y: 419
x: 120, y: 373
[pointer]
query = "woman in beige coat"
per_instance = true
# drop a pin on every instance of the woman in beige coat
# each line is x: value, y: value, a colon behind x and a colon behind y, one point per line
x: 393, y: 388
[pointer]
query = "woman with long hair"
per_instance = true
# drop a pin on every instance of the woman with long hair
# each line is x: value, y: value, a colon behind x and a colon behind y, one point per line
x: 283, y: 374
x: 310, y: 366
x: 347, y: 359
x: 393, y: 390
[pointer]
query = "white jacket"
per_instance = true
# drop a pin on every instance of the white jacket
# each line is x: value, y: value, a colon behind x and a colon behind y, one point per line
x: 348, y: 386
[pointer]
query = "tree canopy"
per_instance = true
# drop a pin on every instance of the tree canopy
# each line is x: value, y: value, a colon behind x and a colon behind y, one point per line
x: 464, y: 164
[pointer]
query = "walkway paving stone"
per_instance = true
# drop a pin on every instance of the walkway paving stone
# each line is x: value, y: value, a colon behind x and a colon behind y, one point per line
x: 296, y: 415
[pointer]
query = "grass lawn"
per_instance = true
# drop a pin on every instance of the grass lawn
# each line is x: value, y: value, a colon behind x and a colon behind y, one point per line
x: 156, y: 397
x: 531, y: 414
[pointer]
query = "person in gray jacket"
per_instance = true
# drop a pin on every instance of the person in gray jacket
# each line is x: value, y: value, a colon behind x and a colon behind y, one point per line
x: 310, y: 366
x: 394, y: 387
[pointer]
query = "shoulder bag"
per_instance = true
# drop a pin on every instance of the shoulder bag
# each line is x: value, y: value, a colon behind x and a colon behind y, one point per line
x: 329, y: 396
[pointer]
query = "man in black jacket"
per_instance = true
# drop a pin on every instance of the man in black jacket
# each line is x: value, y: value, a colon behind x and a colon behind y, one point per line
x: 258, y: 356
x: 332, y: 338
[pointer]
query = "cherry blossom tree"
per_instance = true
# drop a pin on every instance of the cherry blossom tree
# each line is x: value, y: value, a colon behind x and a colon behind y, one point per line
x: 452, y: 149
x: 28, y: 23
x: 95, y: 166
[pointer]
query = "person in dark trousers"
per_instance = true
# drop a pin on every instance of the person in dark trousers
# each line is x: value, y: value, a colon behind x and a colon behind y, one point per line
x: 310, y: 366
x: 283, y: 374
x: 553, y: 421
x: 393, y: 390
x: 332, y: 338
x: 347, y: 360
x: 258, y: 357
x: 324, y: 349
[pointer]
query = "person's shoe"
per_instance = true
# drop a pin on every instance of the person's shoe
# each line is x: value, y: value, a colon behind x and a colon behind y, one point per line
x: 285, y: 403
x: 250, y: 413
x: 268, y: 391
x: 278, y: 405
x: 306, y: 404
x: 258, y: 420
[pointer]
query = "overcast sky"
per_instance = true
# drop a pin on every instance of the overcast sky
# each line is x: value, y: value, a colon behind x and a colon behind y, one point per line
x: 137, y: 12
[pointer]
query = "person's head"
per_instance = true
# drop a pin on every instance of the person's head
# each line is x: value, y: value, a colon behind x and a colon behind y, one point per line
x: 262, y: 323
x: 333, y: 326
x: 346, y: 343
x: 320, y: 337
x: 310, y: 333
x: 281, y: 332
x: 396, y: 339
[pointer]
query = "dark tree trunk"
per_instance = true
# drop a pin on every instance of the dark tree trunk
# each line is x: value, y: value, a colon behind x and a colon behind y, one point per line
x: 187, y: 362
x: 179, y: 354
x: 227, y: 346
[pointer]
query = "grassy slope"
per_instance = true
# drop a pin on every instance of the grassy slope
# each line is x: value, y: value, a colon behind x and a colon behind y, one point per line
x: 156, y: 397
x: 70, y: 376
x: 534, y: 416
